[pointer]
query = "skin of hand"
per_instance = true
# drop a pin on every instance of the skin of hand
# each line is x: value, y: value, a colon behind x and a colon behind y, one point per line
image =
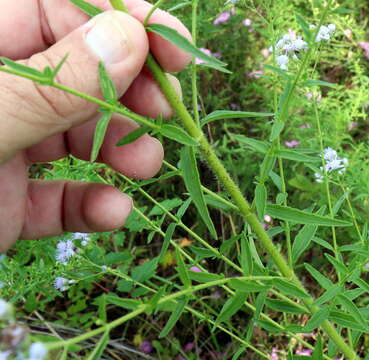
x: 41, y: 124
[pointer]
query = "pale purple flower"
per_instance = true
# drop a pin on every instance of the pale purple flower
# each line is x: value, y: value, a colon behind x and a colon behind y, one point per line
x: 233, y: 106
x: 247, y: 22
x: 222, y: 18
x: 188, y: 347
x: 146, y: 347
x: 64, y: 251
x: 61, y: 284
x: 274, y: 354
x: 205, y: 51
x: 255, y: 74
x: 352, y: 126
x: 304, y: 352
x: 305, y: 126
x: 365, y: 47
x: 367, y: 266
x: 195, y: 269
x: 292, y: 143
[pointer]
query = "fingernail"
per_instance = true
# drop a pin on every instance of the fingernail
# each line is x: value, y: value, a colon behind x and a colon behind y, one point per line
x: 107, y: 38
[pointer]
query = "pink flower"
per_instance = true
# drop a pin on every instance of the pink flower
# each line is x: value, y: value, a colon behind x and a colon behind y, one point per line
x: 195, y: 269
x: 205, y: 51
x: 306, y: 126
x: 292, y: 143
x: 247, y: 22
x: 305, y: 352
x: 146, y: 347
x: 365, y: 47
x: 265, y: 52
x: 274, y: 354
x: 255, y: 74
x: 223, y: 17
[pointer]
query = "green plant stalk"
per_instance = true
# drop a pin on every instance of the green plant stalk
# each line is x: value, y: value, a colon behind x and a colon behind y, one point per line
x: 205, y: 243
x: 152, y: 10
x: 194, y: 67
x: 234, y: 191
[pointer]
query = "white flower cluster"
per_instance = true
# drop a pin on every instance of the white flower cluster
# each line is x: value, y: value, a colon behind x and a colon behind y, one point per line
x: 81, y: 236
x: 64, y: 251
x: 6, y: 310
x: 62, y: 284
x: 325, y: 32
x: 37, y: 351
x: 287, y: 46
x: 332, y: 162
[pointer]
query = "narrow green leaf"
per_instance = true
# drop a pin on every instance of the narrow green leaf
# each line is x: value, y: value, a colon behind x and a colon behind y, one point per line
x: 86, y: 7
x: 179, y: 6
x: 278, y: 71
x: 319, y: 277
x: 144, y: 271
x: 174, y: 317
x: 22, y: 68
x: 338, y: 265
x: 203, y: 277
x: 97, y: 353
x: 290, y: 288
x: 184, y: 44
x: 231, y: 307
x: 59, y: 66
x: 202, y: 253
x: 268, y: 326
x: 260, y: 199
x: 267, y: 166
x: 346, y: 320
x: 318, y: 351
x: 246, y: 256
x: 304, y: 237
x: 191, y: 179
x: 277, y: 128
x: 167, y: 238
x: 238, y: 353
x: 129, y: 304
x: 99, y: 135
x: 248, y: 285
x: 316, y: 320
x: 302, y: 217
x: 182, y: 271
x: 257, y: 145
x: 304, y: 26
x: 352, y: 309
x: 296, y: 156
x: 283, y: 306
x: 133, y: 136
x: 332, y: 292
x: 178, y: 134
x: 107, y: 85
x: 310, y: 83
x: 227, y: 114
x: 362, y: 284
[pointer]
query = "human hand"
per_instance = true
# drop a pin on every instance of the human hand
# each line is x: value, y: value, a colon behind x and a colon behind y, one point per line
x: 40, y: 124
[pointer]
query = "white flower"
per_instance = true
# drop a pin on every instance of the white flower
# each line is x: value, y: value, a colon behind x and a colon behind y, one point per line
x: 65, y: 250
x: 61, y: 284
x: 282, y: 62
x: 4, y: 355
x: 332, y: 162
x: 325, y: 32
x: 37, y: 351
x: 81, y: 236
x: 5, y: 310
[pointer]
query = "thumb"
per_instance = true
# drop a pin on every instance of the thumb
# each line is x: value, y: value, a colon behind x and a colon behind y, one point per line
x: 30, y: 113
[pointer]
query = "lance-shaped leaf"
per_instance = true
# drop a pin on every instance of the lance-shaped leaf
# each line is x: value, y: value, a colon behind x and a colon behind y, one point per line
x: 193, y: 185
x: 184, y: 44
x: 107, y: 85
x: 99, y: 134
x: 99, y: 348
x: 227, y: 114
x: 302, y: 217
x: 178, y: 134
x: 231, y: 306
x: 133, y: 136
x: 174, y: 317
x: 86, y: 7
